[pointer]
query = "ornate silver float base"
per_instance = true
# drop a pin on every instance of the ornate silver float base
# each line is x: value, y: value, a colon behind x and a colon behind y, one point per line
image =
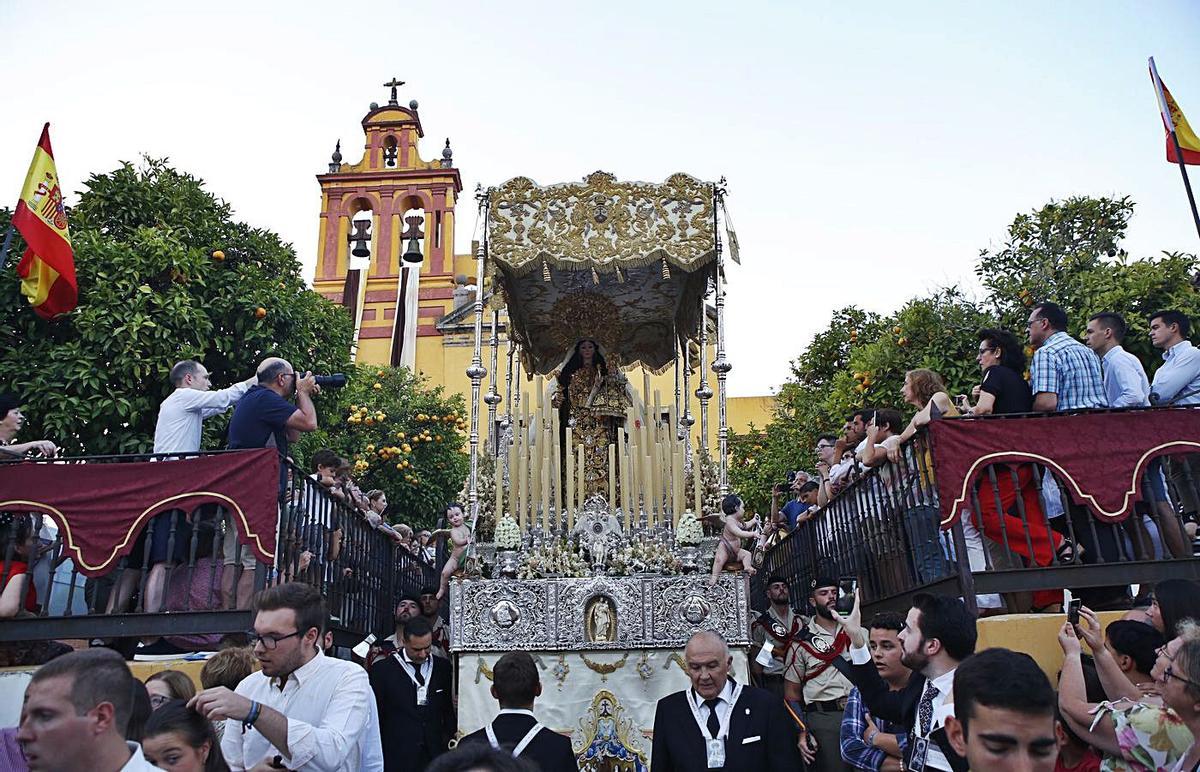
x: 600, y: 612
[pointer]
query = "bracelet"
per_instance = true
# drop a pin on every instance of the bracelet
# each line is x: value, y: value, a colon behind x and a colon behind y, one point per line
x: 871, y: 738
x: 252, y: 716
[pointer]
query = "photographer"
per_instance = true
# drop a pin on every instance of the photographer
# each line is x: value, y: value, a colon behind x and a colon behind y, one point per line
x: 264, y: 418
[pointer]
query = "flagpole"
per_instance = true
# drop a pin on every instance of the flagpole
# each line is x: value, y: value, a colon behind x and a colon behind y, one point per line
x: 7, y: 243
x: 1166, y: 114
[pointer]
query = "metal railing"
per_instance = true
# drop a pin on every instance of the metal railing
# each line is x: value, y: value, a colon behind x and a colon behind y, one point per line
x: 1020, y: 534
x: 189, y: 579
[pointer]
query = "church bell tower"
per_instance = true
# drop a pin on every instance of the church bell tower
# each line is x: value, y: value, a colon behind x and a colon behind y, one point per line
x: 386, y: 242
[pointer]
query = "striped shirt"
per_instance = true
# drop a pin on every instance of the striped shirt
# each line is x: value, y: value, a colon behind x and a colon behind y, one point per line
x: 1066, y: 367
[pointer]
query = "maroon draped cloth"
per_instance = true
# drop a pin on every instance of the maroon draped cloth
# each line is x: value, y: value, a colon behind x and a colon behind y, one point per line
x: 1100, y: 457
x: 101, y: 507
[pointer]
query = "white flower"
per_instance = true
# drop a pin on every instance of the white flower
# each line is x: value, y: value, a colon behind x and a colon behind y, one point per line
x: 689, y: 532
x: 508, y: 533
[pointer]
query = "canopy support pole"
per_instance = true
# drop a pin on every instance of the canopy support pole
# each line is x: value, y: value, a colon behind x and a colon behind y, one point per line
x: 721, y: 365
x: 492, y: 398
x: 477, y: 371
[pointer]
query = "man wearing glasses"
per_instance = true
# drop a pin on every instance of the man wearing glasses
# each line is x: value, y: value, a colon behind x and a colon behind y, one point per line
x: 264, y: 418
x: 303, y: 710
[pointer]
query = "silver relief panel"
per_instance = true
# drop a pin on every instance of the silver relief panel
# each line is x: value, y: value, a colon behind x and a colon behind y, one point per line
x: 601, y: 612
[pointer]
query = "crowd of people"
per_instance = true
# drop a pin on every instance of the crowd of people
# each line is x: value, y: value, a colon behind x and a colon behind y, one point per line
x: 898, y: 691
x: 180, y: 557
x: 1018, y: 514
x: 911, y: 692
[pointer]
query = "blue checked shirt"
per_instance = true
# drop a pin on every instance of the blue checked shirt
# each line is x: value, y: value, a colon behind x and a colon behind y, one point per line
x: 1066, y: 367
x: 857, y: 753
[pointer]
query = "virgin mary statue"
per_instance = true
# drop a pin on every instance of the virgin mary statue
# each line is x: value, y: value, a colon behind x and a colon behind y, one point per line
x: 591, y: 398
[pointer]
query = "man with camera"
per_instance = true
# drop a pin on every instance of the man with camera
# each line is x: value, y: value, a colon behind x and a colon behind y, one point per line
x: 265, y: 418
x: 795, y: 506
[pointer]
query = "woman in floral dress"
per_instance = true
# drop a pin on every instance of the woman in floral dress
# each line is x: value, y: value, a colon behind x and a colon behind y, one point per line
x: 1145, y: 734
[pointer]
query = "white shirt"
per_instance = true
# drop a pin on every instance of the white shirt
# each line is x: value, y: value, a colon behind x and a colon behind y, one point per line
x: 332, y: 720
x: 723, y: 707
x: 137, y: 760
x: 1125, y: 382
x: 1177, y: 382
x: 935, y: 759
x: 181, y: 413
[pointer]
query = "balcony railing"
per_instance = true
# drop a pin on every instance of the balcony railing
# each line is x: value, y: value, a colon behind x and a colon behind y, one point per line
x: 171, y: 557
x: 1013, y: 504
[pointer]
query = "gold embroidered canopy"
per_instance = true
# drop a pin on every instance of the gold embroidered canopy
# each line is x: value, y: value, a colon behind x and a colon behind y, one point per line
x: 624, y: 263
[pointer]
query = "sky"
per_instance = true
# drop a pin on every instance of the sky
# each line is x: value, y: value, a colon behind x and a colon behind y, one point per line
x: 871, y: 149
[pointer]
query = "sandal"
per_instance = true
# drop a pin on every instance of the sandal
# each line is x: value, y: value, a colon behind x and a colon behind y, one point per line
x: 1068, y: 552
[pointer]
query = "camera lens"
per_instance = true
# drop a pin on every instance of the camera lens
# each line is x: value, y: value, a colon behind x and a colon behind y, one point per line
x: 335, y: 381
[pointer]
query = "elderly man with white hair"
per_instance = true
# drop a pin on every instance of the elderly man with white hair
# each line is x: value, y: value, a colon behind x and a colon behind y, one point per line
x: 719, y: 723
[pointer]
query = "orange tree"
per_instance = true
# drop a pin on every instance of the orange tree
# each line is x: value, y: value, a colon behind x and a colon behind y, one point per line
x: 165, y: 273
x: 402, y: 435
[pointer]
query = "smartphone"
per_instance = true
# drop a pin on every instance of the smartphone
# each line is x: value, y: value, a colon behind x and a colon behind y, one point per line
x: 1073, y: 611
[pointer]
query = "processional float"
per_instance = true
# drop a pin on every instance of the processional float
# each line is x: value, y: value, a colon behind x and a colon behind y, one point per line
x: 593, y: 562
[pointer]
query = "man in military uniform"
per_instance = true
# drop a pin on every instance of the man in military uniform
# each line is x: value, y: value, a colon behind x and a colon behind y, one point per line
x: 773, y: 633
x: 811, y: 679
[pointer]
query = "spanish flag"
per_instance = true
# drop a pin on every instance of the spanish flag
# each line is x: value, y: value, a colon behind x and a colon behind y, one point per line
x: 1174, y: 121
x: 47, y: 270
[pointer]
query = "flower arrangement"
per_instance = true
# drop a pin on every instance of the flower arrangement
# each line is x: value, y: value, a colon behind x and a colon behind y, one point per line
x: 508, y: 534
x: 644, y: 558
x: 690, y: 532
x: 553, y: 559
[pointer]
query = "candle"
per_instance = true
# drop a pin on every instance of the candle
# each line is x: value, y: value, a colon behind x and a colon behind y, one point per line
x: 522, y: 482
x: 635, y: 493
x: 556, y: 471
x: 535, y: 468
x: 498, y: 482
x: 570, y: 451
x: 622, y: 478
x: 581, y: 483
x: 539, y: 387
x: 677, y: 483
x: 612, y: 475
x: 651, y: 486
x: 546, y: 492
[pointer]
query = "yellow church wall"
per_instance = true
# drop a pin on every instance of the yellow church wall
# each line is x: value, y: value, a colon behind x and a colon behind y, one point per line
x: 1034, y: 634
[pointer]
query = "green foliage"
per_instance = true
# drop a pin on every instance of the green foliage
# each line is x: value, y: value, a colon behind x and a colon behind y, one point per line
x: 151, y: 293
x: 1068, y: 252
x: 403, y: 436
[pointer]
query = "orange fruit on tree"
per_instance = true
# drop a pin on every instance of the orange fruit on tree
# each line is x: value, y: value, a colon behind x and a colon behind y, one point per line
x: 260, y: 312
x: 218, y: 255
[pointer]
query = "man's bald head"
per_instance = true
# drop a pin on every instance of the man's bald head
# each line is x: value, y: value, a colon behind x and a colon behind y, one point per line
x: 708, y: 662
x: 271, y: 368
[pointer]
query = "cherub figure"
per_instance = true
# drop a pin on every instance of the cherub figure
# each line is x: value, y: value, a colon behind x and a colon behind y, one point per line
x: 460, y: 537
x: 729, y: 546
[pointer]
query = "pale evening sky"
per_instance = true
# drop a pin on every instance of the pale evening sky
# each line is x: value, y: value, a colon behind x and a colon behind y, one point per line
x: 871, y: 149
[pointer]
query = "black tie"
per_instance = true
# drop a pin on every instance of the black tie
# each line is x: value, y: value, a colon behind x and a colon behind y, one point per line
x: 714, y: 723
x: 419, y: 675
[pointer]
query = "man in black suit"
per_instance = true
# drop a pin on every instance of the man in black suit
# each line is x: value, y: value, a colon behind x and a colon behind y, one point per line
x: 412, y: 688
x: 719, y: 723
x: 938, y: 634
x: 516, y: 685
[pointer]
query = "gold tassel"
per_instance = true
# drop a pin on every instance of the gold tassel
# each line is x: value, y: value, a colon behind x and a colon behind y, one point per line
x: 620, y: 276
x: 666, y: 270
x: 545, y: 271
x: 595, y: 277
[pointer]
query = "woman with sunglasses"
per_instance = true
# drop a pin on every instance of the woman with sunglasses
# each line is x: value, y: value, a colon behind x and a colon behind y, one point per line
x: 1144, y: 734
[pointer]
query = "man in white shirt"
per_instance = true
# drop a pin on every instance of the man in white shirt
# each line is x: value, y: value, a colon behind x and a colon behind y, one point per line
x: 1125, y: 382
x: 178, y: 430
x: 1126, y: 385
x: 303, y: 710
x: 938, y: 634
x: 75, y: 714
x: 1177, y: 382
x: 182, y: 413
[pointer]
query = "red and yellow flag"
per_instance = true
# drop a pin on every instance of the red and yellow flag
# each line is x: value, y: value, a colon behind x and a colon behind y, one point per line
x: 1189, y: 143
x: 47, y: 270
